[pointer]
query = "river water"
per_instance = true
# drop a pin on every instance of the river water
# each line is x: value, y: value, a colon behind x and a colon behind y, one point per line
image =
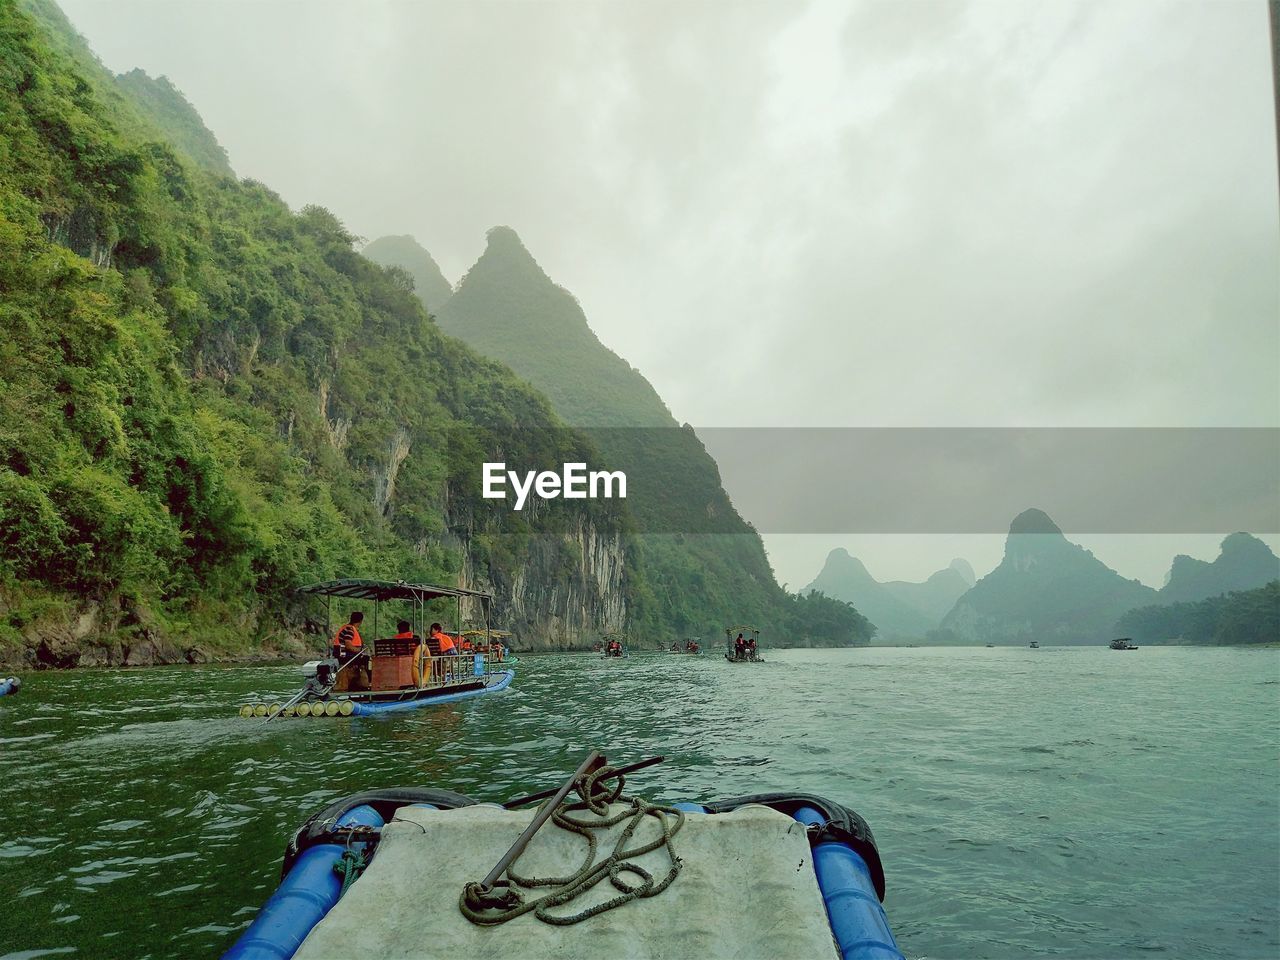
x: 1027, y: 803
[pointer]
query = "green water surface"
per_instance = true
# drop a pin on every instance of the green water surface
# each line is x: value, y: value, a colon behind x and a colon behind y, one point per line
x: 1028, y: 803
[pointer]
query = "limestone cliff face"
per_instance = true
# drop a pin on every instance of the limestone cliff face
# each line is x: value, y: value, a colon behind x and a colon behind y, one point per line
x: 568, y: 590
x: 554, y: 591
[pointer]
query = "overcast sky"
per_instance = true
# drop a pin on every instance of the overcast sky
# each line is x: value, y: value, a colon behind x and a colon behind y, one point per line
x: 884, y: 213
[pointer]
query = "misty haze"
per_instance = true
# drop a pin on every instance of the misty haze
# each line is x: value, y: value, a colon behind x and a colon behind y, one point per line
x: 870, y: 409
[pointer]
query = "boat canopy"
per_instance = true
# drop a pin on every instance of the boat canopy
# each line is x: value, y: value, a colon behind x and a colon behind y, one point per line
x: 380, y: 590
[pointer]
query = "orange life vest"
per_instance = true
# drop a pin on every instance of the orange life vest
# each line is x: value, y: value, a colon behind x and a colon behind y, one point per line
x: 445, y: 641
x: 347, y: 638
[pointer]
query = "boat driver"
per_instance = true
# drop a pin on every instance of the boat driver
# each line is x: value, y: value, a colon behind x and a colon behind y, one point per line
x: 347, y: 641
x: 348, y: 644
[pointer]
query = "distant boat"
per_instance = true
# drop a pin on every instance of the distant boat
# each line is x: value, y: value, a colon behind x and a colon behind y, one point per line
x: 611, y: 645
x: 1123, y: 643
x: 1035, y: 644
x: 743, y: 648
x: 991, y: 645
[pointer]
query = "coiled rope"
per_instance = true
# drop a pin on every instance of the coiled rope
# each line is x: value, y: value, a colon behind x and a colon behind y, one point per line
x: 504, y: 902
x: 349, y: 867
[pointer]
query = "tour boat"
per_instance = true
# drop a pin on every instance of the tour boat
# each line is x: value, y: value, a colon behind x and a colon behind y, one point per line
x: 731, y: 653
x: 612, y: 646
x: 495, y: 642
x: 1123, y: 643
x: 390, y: 674
x: 395, y: 874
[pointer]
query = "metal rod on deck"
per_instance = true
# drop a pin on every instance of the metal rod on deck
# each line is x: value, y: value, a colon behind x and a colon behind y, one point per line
x: 594, y: 759
x: 620, y: 771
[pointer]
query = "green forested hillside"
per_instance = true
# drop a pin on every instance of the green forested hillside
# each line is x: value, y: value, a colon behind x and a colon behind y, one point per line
x: 1249, y: 616
x: 404, y: 252
x: 208, y: 398
x: 702, y: 564
x: 508, y: 308
x: 164, y: 106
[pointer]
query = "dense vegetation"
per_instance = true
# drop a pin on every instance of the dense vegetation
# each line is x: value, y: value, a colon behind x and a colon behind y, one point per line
x: 164, y: 106
x: 206, y: 397
x: 1250, y: 616
x: 405, y: 253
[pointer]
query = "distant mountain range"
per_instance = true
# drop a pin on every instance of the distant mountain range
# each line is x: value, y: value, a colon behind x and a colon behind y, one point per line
x: 901, y: 610
x: 1046, y: 588
x: 1049, y: 589
x: 1244, y: 563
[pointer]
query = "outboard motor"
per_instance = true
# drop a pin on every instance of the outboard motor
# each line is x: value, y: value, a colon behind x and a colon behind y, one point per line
x: 319, y: 674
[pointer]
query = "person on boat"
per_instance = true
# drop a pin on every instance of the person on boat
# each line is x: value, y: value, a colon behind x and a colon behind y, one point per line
x: 447, y: 647
x: 348, y: 645
x: 465, y: 643
x: 347, y: 641
x: 751, y: 648
x: 442, y: 642
x: 739, y: 648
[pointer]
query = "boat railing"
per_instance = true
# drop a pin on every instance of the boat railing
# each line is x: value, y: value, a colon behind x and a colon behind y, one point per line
x: 448, y: 670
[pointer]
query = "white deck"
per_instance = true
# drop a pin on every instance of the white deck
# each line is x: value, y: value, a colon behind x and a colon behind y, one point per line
x: 747, y: 890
